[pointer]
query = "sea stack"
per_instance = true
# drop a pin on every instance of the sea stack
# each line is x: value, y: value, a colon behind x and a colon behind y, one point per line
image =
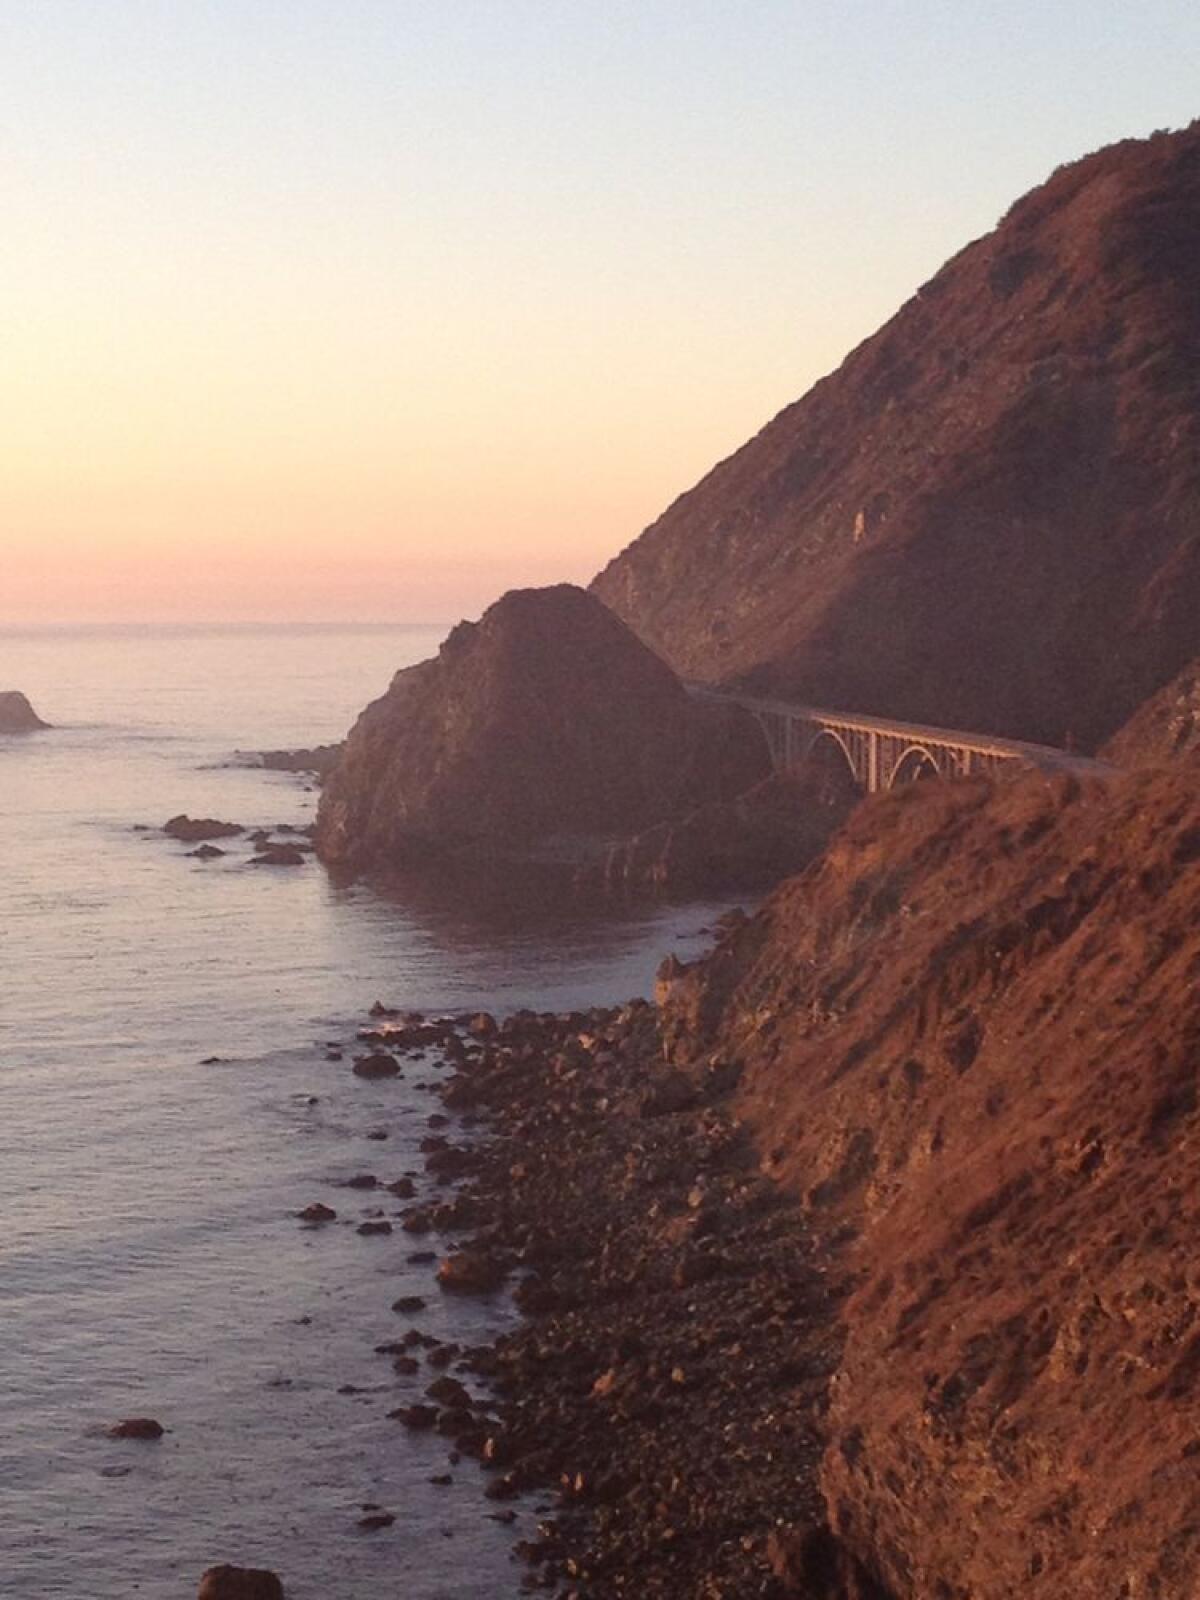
x: 547, y: 719
x: 17, y: 715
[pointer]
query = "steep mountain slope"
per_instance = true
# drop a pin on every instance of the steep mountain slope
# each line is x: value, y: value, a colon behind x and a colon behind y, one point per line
x: 989, y: 517
x: 968, y: 1038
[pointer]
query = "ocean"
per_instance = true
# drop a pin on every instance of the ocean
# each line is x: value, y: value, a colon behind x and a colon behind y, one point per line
x: 151, y: 1262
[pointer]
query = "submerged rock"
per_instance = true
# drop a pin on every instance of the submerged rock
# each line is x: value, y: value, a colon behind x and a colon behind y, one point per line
x: 137, y: 1428
x: 17, y: 715
x: 547, y: 720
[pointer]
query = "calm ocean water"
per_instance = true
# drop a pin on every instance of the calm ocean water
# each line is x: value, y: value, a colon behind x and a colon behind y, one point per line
x: 150, y: 1260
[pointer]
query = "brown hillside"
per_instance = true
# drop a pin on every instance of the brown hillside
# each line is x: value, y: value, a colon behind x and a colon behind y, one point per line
x: 989, y: 517
x: 969, y: 1033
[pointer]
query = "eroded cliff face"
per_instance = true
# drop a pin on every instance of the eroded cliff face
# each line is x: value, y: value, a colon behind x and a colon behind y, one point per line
x: 968, y: 1038
x: 989, y: 516
x: 16, y: 713
x: 547, y: 718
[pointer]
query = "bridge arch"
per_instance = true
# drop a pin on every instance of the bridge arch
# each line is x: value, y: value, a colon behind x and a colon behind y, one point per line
x: 914, y: 763
x: 824, y: 743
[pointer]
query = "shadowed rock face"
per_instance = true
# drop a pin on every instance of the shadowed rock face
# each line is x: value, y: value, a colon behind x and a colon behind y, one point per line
x: 546, y: 718
x: 17, y: 715
x: 969, y: 1034
x: 989, y: 516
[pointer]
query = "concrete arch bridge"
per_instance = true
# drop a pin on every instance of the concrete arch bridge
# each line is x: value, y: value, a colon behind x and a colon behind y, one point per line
x: 881, y: 753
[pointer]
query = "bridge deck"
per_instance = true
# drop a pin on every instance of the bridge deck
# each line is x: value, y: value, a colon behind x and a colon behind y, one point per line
x: 1046, y: 758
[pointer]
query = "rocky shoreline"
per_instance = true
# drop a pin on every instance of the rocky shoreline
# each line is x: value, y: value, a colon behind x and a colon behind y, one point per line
x: 668, y: 1377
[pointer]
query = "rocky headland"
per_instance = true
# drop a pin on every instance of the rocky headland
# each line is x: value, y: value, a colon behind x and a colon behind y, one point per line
x: 17, y: 715
x: 544, y: 729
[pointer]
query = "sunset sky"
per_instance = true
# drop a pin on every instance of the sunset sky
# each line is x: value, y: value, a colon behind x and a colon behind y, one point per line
x: 369, y: 309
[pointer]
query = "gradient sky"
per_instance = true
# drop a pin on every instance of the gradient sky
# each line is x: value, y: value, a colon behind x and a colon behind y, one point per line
x: 351, y: 309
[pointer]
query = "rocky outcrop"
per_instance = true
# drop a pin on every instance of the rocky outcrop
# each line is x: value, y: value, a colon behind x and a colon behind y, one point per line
x: 748, y: 843
x: 966, y: 1039
x: 17, y: 715
x: 989, y: 516
x: 546, y: 719
x: 320, y: 760
x: 1165, y: 728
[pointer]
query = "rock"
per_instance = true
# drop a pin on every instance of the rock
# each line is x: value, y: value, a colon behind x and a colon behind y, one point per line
x: 361, y: 1180
x: 278, y: 855
x: 369, y: 1229
x: 375, y: 1520
x: 471, y: 1272
x: 17, y: 715
x: 320, y: 759
x: 137, y: 1428
x: 240, y: 1583
x: 408, y: 1304
x: 377, y: 1065
x: 206, y: 852
x: 421, y: 1419
x: 317, y: 1213
x: 193, y: 830
x: 546, y: 720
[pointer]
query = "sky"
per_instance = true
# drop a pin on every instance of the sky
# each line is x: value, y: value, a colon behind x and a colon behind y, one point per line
x: 371, y: 309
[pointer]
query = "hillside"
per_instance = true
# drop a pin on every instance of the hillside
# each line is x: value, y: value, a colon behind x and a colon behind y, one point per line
x: 967, y: 1040
x: 989, y: 516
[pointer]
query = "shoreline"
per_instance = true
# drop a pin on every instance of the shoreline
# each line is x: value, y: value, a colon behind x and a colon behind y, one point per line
x: 677, y: 1328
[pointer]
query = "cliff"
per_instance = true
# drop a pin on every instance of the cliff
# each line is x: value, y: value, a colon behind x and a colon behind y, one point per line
x: 989, y: 516
x: 967, y: 1040
x: 16, y: 713
x: 546, y: 720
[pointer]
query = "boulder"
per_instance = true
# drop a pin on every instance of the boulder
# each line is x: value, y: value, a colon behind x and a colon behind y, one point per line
x: 544, y: 724
x: 377, y: 1065
x: 471, y: 1272
x: 17, y: 715
x: 240, y: 1583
